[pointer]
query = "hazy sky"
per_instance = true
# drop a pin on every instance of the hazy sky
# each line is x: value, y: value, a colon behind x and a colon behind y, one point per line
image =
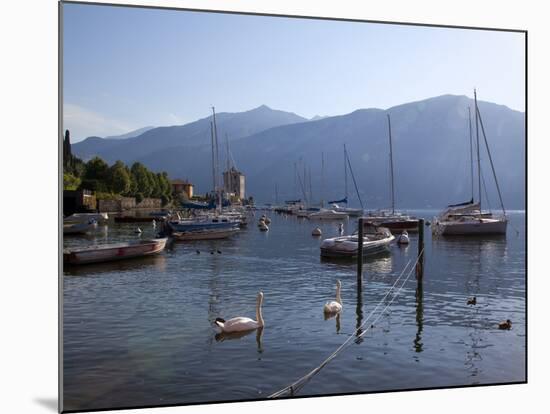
x: 125, y: 68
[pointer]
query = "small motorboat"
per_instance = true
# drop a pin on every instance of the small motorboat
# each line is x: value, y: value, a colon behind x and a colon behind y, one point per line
x: 316, y: 232
x: 403, y: 238
x: 86, y: 218
x: 79, y: 228
x: 263, y: 227
x: 113, y: 251
x: 377, y: 241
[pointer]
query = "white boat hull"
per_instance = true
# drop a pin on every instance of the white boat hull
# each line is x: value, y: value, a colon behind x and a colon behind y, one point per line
x: 471, y: 227
x: 328, y: 215
x: 347, y: 246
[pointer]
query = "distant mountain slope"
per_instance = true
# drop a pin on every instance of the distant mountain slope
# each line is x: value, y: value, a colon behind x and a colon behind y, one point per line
x: 235, y: 125
x: 131, y: 134
x: 430, y: 143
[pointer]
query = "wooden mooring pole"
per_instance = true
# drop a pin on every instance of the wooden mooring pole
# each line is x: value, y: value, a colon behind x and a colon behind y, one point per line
x: 420, y: 263
x: 360, y: 253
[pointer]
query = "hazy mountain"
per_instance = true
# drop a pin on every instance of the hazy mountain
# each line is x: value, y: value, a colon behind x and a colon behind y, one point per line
x: 317, y: 117
x: 430, y: 144
x: 131, y: 134
x: 194, y: 134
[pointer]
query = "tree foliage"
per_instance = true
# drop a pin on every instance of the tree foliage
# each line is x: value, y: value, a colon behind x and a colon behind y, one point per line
x: 96, y: 175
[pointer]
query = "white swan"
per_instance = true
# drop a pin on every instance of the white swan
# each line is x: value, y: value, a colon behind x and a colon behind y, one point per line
x: 240, y: 323
x: 334, y: 306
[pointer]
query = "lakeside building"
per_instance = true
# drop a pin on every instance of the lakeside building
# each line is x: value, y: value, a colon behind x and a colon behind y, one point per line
x: 234, y: 183
x: 182, y: 186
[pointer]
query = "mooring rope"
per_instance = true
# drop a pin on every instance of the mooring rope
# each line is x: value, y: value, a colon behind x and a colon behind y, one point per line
x: 297, y: 385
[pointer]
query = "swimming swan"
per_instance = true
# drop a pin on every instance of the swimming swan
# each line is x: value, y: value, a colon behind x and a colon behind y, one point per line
x: 334, y: 306
x: 241, y: 323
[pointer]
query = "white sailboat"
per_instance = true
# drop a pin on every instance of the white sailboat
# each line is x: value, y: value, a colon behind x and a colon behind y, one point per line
x: 326, y: 213
x: 468, y: 218
x: 352, y: 212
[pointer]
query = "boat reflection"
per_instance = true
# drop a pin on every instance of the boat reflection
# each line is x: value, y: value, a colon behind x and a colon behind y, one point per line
x: 153, y: 262
x: 380, y: 262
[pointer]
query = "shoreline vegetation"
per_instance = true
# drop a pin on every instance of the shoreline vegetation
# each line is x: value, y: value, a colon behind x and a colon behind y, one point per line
x: 115, y: 181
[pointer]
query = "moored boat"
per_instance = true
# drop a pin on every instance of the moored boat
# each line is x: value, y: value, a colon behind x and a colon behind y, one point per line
x: 113, y: 251
x: 378, y: 241
x: 396, y: 222
x: 79, y: 228
x: 471, y: 225
x: 467, y: 219
x: 326, y: 214
x: 85, y: 218
x: 205, y: 234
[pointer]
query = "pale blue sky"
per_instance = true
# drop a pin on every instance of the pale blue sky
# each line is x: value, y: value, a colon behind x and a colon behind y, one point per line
x: 125, y: 68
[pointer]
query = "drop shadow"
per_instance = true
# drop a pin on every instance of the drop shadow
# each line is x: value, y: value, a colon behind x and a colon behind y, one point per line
x: 49, y: 403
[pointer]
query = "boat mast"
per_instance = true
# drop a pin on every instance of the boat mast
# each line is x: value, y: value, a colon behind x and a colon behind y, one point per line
x: 213, y: 159
x: 471, y: 152
x: 477, y: 145
x: 391, y: 168
x: 354, y: 182
x: 229, y: 175
x: 345, y: 173
x: 310, y: 187
x: 491, y: 162
x: 308, y: 199
x: 322, y: 179
x: 217, y: 158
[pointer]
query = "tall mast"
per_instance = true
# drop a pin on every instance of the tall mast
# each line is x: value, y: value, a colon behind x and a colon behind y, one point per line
x: 345, y: 173
x: 322, y: 179
x: 310, y: 187
x: 295, y: 180
x: 391, y: 168
x: 213, y: 158
x: 217, y: 158
x: 276, y: 195
x: 229, y: 175
x: 491, y: 162
x: 305, y: 186
x: 471, y: 152
x: 477, y: 145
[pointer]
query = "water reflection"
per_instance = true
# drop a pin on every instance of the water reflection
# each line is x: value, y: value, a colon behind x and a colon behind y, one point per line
x: 419, y: 317
x: 359, y: 313
x: 229, y: 336
x: 378, y: 263
x: 155, y: 263
x: 337, y: 316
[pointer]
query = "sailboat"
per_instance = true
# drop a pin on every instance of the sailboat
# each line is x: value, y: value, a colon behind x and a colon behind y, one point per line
x: 393, y: 220
x: 352, y: 212
x: 326, y: 213
x: 468, y: 218
x: 208, y: 226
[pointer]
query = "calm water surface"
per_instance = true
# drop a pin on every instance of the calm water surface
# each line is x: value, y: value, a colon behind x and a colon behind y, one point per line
x: 140, y: 332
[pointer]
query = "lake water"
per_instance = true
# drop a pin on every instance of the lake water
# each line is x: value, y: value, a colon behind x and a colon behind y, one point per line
x: 139, y: 333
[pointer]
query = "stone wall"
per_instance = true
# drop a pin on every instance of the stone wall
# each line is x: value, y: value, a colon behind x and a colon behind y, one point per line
x: 128, y: 203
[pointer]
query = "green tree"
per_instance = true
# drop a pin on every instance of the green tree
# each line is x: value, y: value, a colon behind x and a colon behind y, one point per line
x: 96, y: 169
x: 143, y: 184
x: 118, y: 178
x: 70, y: 182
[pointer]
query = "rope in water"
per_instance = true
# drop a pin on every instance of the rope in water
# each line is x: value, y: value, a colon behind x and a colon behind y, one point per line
x: 297, y: 385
